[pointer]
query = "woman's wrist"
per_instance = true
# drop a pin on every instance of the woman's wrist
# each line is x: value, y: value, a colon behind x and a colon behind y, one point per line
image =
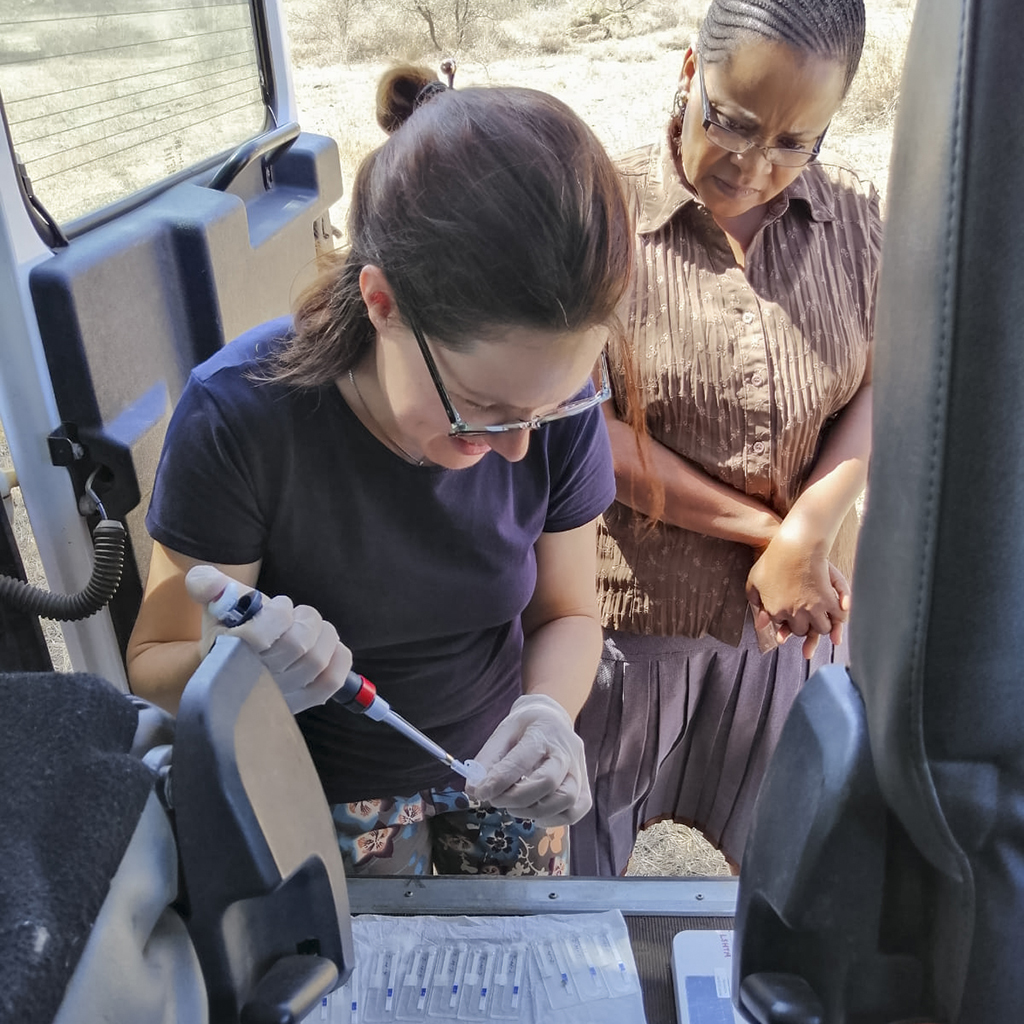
x: 765, y: 529
x: 805, y: 531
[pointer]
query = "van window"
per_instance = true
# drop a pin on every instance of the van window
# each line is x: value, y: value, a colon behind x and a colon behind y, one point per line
x: 105, y: 97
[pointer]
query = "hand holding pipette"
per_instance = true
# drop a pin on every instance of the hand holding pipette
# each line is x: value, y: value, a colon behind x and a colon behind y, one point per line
x: 302, y: 652
x: 536, y: 765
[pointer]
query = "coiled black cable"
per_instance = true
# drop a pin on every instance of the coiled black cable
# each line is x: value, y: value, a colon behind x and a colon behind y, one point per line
x: 108, y: 542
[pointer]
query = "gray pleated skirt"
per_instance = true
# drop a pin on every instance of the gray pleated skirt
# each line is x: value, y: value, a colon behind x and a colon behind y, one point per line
x: 682, y: 729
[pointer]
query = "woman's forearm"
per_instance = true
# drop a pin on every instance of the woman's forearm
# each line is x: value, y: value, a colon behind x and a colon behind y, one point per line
x: 561, y: 625
x: 560, y: 660
x: 693, y: 500
x: 792, y: 583
x: 164, y: 649
x: 838, y: 476
x: 158, y: 672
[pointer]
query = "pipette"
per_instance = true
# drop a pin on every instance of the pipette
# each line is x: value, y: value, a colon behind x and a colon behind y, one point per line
x: 357, y: 694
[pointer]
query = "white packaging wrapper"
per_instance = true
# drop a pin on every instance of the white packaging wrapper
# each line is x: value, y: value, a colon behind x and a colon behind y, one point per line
x: 576, y: 968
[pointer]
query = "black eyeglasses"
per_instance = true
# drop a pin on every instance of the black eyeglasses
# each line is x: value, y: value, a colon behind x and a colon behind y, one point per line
x: 737, y: 142
x: 460, y: 428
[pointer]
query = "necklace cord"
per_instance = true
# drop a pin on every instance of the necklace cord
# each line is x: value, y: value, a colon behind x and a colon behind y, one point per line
x: 387, y: 437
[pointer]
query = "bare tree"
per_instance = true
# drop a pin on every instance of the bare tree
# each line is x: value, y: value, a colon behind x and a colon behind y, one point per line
x: 447, y: 21
x: 465, y: 12
x: 424, y: 11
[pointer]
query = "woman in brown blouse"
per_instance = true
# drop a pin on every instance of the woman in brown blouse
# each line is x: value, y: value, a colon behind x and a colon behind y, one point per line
x: 751, y: 319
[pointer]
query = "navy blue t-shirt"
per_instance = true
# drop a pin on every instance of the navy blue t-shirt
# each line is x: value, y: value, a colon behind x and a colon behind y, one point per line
x: 424, y: 571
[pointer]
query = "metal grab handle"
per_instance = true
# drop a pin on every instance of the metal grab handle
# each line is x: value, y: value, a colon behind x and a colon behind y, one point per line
x: 270, y: 145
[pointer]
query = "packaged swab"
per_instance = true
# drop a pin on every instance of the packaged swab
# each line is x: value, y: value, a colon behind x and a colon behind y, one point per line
x: 583, y: 968
x: 550, y: 960
x: 443, y: 999
x: 380, y: 1002
x: 416, y: 983
x: 509, y: 985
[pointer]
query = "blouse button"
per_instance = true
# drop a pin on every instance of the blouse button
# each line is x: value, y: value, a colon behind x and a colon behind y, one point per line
x: 758, y: 447
x: 748, y: 317
x: 757, y: 380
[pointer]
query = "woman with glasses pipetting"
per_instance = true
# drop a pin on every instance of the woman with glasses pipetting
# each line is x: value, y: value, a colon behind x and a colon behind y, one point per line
x: 414, y: 463
x: 751, y: 318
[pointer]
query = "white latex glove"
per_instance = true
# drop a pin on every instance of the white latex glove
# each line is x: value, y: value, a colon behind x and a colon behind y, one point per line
x: 535, y: 764
x: 300, y: 650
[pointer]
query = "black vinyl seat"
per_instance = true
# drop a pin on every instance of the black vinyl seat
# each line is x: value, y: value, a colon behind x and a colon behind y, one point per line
x: 884, y: 877
x: 162, y: 871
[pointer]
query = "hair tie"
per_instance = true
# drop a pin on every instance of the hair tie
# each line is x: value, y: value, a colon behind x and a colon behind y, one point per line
x: 427, y: 93
x: 432, y: 89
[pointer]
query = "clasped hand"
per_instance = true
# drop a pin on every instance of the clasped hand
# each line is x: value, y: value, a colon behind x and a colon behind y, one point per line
x: 299, y: 649
x: 536, y: 767
x: 796, y: 590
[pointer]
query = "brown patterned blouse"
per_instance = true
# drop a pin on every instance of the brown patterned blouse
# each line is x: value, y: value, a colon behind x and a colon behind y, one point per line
x: 741, y: 368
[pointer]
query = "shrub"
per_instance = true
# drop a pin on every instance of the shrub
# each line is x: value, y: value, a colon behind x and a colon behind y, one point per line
x: 363, y: 30
x: 325, y: 31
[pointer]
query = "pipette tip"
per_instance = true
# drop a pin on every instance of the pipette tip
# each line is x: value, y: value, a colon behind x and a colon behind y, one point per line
x: 470, y: 770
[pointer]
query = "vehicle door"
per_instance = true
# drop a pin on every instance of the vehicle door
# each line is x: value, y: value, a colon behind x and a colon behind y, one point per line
x: 157, y: 198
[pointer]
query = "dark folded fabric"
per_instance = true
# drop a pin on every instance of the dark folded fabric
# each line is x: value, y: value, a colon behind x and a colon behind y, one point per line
x: 70, y: 799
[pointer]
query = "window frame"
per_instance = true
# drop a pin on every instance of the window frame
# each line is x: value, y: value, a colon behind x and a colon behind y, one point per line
x: 269, y: 41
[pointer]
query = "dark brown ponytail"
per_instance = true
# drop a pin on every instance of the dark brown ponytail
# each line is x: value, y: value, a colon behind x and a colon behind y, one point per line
x: 400, y: 91
x: 490, y: 208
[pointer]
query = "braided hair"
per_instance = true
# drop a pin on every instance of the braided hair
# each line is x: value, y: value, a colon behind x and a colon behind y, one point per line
x: 823, y: 28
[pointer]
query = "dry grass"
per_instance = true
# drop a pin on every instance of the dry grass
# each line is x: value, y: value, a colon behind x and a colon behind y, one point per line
x: 670, y: 849
x: 620, y: 80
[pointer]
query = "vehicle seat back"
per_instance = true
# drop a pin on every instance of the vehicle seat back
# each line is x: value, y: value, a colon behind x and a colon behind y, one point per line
x: 102, y: 797
x: 937, y: 634
x: 75, y: 806
x: 260, y: 857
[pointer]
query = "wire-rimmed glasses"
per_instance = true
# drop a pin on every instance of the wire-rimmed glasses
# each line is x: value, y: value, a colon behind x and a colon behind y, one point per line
x: 460, y: 428
x: 736, y: 142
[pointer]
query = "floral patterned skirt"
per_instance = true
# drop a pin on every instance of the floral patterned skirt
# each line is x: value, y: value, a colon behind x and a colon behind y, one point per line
x: 442, y: 831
